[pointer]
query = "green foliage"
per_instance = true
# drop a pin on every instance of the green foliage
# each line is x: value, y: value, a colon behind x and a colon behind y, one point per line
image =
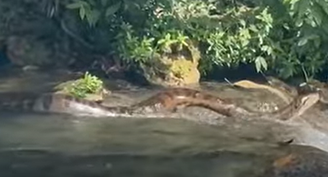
x: 87, y: 85
x: 172, y: 38
x: 132, y: 47
x: 301, y: 37
x: 242, y: 39
x: 288, y: 37
x: 93, y: 10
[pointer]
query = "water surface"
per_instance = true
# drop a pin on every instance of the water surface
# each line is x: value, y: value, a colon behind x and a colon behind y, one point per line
x: 60, y: 145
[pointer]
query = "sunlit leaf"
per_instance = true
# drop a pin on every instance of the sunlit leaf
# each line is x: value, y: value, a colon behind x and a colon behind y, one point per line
x: 260, y: 63
x: 184, y: 43
x: 242, y: 22
x: 302, y: 41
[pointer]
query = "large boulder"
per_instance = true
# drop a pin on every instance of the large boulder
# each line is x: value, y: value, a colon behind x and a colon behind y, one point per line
x: 176, y: 67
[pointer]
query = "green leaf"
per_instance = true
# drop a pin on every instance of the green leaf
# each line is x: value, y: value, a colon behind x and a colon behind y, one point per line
x: 242, y: 22
x: 112, y: 9
x: 93, y: 17
x: 317, y: 13
x: 245, y: 33
x: 299, y: 22
x: 184, y: 43
x: 161, y: 41
x: 260, y: 63
x: 303, y: 6
x: 324, y: 5
x: 302, y: 41
x: 82, y: 12
x: 168, y: 36
x: 267, y: 49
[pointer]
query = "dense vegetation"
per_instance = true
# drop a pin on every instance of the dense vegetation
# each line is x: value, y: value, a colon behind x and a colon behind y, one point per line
x: 288, y: 37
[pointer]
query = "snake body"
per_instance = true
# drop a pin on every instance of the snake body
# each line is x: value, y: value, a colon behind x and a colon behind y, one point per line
x: 164, y: 102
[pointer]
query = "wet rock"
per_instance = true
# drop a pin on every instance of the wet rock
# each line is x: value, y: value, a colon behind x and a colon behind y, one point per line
x: 300, y: 162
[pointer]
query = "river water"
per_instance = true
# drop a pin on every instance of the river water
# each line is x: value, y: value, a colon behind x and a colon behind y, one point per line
x: 59, y: 145
x: 56, y: 145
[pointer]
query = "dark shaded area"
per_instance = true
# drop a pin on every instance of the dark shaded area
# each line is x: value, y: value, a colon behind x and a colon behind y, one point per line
x: 323, y: 75
x: 4, y: 61
x: 243, y: 71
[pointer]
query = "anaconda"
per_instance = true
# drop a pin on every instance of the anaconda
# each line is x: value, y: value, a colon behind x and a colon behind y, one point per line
x: 315, y: 85
x: 53, y: 103
x: 281, y: 85
x: 273, y: 88
x: 166, y: 102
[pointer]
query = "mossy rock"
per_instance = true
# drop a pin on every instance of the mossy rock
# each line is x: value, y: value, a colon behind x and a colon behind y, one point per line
x: 178, y: 68
x: 99, y: 96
